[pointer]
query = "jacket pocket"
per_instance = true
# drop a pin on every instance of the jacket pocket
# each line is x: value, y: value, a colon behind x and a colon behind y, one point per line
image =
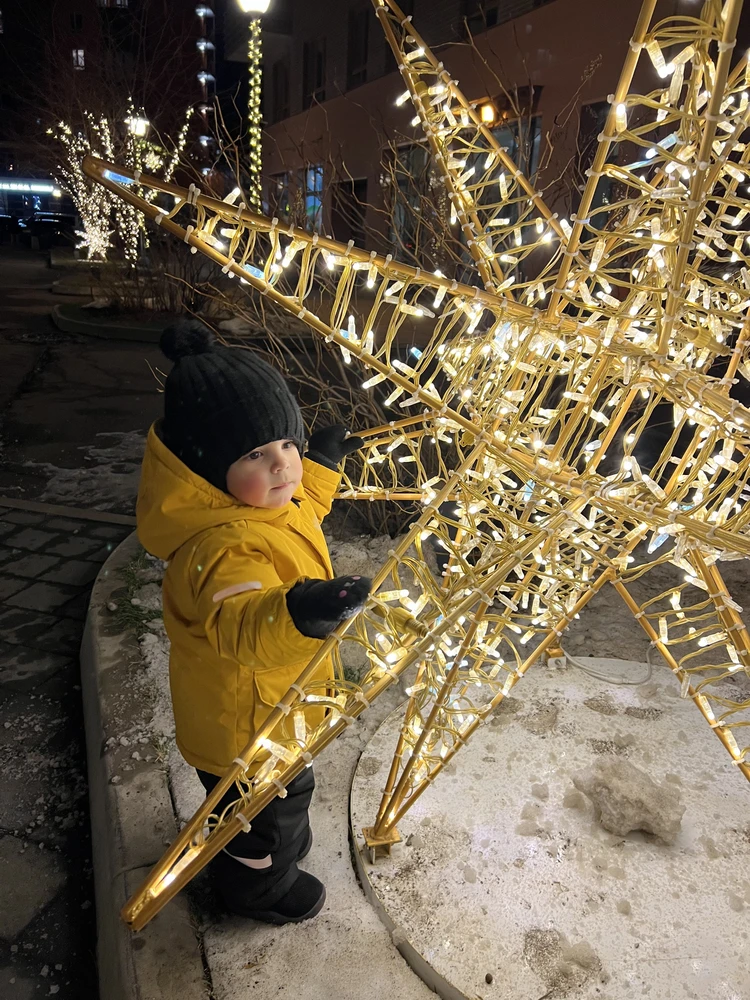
x: 269, y: 687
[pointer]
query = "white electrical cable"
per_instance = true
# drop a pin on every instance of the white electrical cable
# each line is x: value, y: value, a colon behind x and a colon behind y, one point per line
x: 608, y: 678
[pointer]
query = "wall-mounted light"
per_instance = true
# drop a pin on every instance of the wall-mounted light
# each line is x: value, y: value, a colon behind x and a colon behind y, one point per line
x: 487, y: 113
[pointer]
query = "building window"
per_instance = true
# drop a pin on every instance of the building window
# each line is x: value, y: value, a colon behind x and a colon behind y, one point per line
x: 410, y: 185
x: 79, y: 61
x: 592, y: 122
x: 76, y: 22
x: 356, y: 53
x: 348, y: 207
x: 278, y: 204
x: 313, y: 72
x: 114, y: 3
x: 280, y: 91
x: 480, y: 14
x: 311, y: 183
x: 2, y: 27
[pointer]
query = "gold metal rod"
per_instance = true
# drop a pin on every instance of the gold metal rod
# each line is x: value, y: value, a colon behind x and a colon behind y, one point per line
x: 602, y: 151
x: 678, y: 671
x: 731, y: 15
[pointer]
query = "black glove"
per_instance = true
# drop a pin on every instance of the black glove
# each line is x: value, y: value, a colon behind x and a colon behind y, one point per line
x: 330, y: 446
x: 318, y: 606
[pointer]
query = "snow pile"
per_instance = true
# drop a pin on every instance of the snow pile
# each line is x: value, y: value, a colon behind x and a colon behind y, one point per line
x: 111, y: 472
x: 627, y: 798
x: 148, y: 597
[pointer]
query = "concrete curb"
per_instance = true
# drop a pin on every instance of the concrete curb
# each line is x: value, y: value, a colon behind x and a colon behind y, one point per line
x: 365, y: 873
x: 64, y: 286
x: 131, y: 821
x: 71, y: 323
x: 63, y: 258
x: 417, y: 962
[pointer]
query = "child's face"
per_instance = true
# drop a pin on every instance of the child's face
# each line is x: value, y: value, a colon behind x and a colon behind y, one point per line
x: 266, y: 477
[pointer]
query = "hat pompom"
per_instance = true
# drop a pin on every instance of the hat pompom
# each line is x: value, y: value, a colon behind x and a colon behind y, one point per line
x: 186, y: 337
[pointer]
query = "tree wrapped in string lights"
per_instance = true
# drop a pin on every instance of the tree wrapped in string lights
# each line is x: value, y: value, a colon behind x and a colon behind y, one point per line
x: 534, y: 413
x: 107, y: 221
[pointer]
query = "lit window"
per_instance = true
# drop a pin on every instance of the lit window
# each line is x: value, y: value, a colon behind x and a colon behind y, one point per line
x: 78, y: 59
x: 311, y: 182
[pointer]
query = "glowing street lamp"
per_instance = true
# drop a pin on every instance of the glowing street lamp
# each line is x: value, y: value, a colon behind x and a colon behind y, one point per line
x: 138, y: 126
x: 254, y: 58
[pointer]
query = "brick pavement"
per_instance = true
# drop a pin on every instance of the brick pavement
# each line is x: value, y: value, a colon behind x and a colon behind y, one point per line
x: 47, y: 920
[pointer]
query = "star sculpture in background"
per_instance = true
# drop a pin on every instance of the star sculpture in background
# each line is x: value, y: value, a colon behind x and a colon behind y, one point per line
x: 528, y: 433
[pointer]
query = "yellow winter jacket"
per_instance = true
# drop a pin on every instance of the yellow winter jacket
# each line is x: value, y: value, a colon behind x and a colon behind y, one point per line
x: 232, y: 657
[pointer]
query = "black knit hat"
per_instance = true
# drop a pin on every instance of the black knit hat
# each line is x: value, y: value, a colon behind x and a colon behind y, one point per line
x: 221, y: 402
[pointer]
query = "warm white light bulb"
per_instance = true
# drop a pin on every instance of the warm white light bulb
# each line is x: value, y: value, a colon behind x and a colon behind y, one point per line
x: 254, y: 6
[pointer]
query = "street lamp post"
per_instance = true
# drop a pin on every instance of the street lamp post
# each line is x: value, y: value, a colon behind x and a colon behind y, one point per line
x: 255, y: 58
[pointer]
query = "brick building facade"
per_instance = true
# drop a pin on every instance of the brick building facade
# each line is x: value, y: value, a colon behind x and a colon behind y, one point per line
x: 328, y: 132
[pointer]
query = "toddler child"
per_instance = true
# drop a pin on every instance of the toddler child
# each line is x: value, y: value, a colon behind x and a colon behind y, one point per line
x: 227, y: 499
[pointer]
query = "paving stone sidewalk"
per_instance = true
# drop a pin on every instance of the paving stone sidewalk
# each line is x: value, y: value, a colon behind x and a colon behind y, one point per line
x: 47, y: 920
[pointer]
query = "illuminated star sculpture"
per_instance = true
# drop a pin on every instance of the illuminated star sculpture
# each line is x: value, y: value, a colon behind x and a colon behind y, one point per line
x: 528, y: 415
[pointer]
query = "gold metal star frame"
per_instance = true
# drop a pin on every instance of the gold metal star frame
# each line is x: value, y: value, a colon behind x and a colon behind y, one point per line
x: 523, y: 386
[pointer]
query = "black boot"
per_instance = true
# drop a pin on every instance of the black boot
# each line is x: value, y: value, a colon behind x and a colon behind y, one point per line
x: 308, y: 846
x: 304, y: 900
x: 273, y: 897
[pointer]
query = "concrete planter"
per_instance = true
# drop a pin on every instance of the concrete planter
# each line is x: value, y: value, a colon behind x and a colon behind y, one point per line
x: 132, y: 819
x: 72, y: 319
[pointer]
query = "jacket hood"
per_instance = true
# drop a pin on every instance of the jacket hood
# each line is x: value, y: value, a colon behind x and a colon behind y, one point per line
x: 175, y: 504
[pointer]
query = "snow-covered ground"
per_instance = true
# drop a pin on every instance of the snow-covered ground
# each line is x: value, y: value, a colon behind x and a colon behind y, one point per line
x: 110, y: 472
x: 510, y: 871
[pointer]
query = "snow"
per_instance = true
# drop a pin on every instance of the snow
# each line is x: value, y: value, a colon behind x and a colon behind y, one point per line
x: 110, y: 472
x: 626, y: 798
x: 561, y: 907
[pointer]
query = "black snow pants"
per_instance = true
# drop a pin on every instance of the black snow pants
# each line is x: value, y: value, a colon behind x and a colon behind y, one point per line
x: 281, y: 830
